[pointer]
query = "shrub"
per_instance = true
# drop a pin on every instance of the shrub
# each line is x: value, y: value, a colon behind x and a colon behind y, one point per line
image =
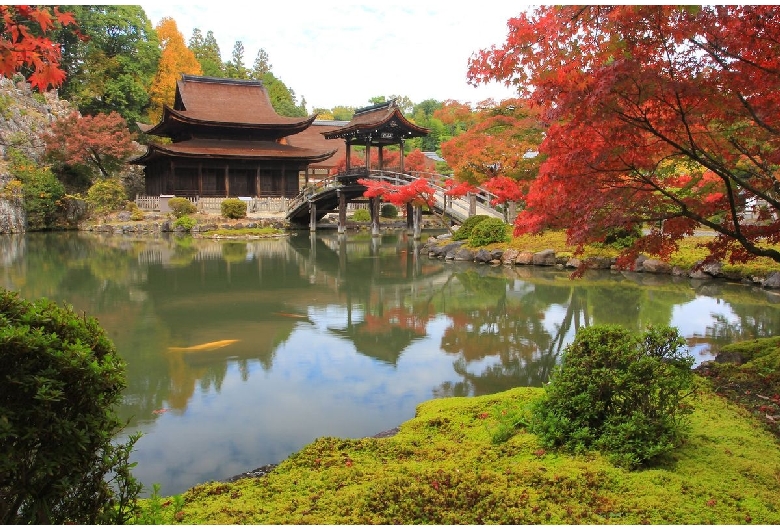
x: 106, y: 195
x: 61, y: 379
x: 233, y: 208
x: 490, y: 230
x: 186, y: 222
x: 618, y: 392
x: 361, y: 215
x: 40, y: 189
x: 464, y: 232
x: 181, y: 206
x: 621, y: 238
x: 389, y: 211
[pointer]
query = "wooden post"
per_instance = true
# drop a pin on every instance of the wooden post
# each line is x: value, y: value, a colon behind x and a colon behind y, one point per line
x: 342, y: 211
x: 368, y: 155
x: 227, y: 180
x: 381, y: 158
x: 417, y: 222
x: 349, y: 154
x: 409, y: 218
x: 472, y: 204
x: 401, y: 143
x: 373, y: 204
x: 312, y: 216
x: 200, y: 179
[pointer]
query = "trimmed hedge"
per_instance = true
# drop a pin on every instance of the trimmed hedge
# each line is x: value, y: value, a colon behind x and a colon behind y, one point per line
x: 233, y: 208
x: 487, y: 231
x: 181, y: 207
x: 464, y: 232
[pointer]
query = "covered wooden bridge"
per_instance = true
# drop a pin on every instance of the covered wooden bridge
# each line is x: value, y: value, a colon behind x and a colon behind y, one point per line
x: 373, y: 128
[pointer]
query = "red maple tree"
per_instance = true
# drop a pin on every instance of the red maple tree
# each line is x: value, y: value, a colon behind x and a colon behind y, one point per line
x: 659, y: 114
x: 101, y: 143
x: 26, y: 47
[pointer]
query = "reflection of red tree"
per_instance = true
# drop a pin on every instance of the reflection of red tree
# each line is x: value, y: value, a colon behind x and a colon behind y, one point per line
x: 398, y: 317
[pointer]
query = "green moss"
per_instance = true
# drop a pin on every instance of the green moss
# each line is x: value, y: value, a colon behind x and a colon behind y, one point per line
x: 245, y: 232
x: 444, y: 467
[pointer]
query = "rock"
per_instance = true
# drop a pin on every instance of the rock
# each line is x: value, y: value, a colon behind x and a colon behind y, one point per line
x: 483, y: 256
x: 544, y: 258
x: 524, y: 258
x: 509, y: 256
x: 464, y: 254
x: 656, y: 266
x: 772, y: 281
x: 573, y: 263
x: 496, y: 254
x: 638, y: 262
x: 597, y: 262
x: 714, y: 269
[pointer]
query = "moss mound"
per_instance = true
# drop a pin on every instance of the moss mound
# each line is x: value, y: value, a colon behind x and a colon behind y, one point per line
x: 443, y: 467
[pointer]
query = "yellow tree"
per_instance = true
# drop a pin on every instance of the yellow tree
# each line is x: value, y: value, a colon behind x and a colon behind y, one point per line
x: 175, y: 59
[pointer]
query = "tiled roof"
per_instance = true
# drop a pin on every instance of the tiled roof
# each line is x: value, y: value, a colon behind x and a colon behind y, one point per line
x: 367, y: 119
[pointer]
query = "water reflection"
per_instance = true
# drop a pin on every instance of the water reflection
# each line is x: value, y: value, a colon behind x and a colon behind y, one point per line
x: 240, y: 352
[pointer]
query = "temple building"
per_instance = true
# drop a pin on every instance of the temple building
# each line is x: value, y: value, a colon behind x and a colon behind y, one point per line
x: 226, y: 140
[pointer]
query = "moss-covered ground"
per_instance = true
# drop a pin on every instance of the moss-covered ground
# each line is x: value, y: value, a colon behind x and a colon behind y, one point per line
x: 444, y: 467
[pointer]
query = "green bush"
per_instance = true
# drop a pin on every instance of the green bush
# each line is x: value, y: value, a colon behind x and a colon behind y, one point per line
x: 388, y: 211
x: 618, y: 392
x: 621, y: 238
x: 41, y: 191
x: 490, y: 230
x: 233, y: 208
x: 106, y: 195
x: 464, y: 232
x: 181, y: 206
x: 361, y: 215
x: 60, y: 379
x: 186, y: 222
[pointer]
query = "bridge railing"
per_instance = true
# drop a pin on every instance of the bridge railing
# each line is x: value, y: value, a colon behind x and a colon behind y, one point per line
x: 460, y: 208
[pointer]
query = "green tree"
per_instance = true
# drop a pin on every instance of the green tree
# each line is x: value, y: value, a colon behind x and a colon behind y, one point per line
x: 235, y: 68
x: 282, y: 98
x: 343, y: 113
x: 41, y: 191
x: 207, y: 53
x: 261, y: 66
x: 113, y: 69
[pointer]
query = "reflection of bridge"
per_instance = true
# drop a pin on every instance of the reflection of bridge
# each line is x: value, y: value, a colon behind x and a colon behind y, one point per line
x: 333, y: 194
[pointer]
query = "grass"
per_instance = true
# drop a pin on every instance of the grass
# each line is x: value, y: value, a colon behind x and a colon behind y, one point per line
x: 265, y: 231
x: 455, y: 463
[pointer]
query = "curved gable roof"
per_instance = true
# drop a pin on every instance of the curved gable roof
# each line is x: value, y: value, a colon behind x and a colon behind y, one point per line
x: 370, y: 122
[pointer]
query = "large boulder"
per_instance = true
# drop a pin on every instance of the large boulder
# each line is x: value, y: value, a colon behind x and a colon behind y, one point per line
x: 544, y: 258
x: 656, y: 266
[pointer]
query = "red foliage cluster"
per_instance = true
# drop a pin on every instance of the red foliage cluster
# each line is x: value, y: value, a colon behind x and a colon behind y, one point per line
x: 25, y: 45
x: 657, y: 114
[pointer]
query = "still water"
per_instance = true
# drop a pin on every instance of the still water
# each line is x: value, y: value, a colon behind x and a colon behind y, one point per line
x: 240, y: 353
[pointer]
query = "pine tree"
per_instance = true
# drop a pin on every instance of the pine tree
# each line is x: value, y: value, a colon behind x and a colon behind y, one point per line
x: 235, y: 68
x: 261, y: 66
x: 207, y: 53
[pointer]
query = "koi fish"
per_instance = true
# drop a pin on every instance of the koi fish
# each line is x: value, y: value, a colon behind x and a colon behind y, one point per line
x: 207, y: 346
x: 290, y: 315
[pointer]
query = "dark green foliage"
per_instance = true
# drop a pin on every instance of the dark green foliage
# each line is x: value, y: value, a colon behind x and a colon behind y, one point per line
x: 620, y: 238
x: 464, y: 232
x: 233, y: 208
x: 618, y: 392
x: 41, y: 191
x: 490, y: 230
x: 60, y: 379
x: 389, y: 211
x: 361, y: 215
x: 181, y: 206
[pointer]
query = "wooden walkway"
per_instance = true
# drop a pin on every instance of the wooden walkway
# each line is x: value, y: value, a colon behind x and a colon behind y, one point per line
x: 316, y: 201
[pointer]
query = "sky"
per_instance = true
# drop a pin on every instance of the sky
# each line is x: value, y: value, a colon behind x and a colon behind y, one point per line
x: 342, y: 53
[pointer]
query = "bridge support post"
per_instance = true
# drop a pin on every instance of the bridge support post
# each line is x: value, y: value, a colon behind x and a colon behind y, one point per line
x: 409, y: 219
x: 373, y: 203
x: 417, y: 222
x: 342, y: 212
x: 312, y: 216
x: 472, y: 204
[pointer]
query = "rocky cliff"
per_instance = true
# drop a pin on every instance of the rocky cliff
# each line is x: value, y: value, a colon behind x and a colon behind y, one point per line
x: 24, y: 115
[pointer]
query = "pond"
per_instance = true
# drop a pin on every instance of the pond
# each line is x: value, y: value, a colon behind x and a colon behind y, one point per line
x: 239, y: 353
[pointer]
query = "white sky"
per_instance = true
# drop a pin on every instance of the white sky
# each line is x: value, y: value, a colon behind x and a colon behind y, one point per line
x: 343, y: 52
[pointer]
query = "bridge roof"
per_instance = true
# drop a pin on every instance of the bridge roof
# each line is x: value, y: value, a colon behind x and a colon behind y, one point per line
x: 381, y: 124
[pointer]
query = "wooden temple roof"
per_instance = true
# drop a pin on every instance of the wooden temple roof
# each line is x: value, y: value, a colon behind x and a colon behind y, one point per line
x: 229, y: 118
x: 381, y: 124
x: 224, y: 103
x: 205, y: 148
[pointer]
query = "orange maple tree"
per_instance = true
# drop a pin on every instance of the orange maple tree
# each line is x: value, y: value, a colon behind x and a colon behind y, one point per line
x: 25, y: 45
x: 662, y: 116
x: 175, y: 59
